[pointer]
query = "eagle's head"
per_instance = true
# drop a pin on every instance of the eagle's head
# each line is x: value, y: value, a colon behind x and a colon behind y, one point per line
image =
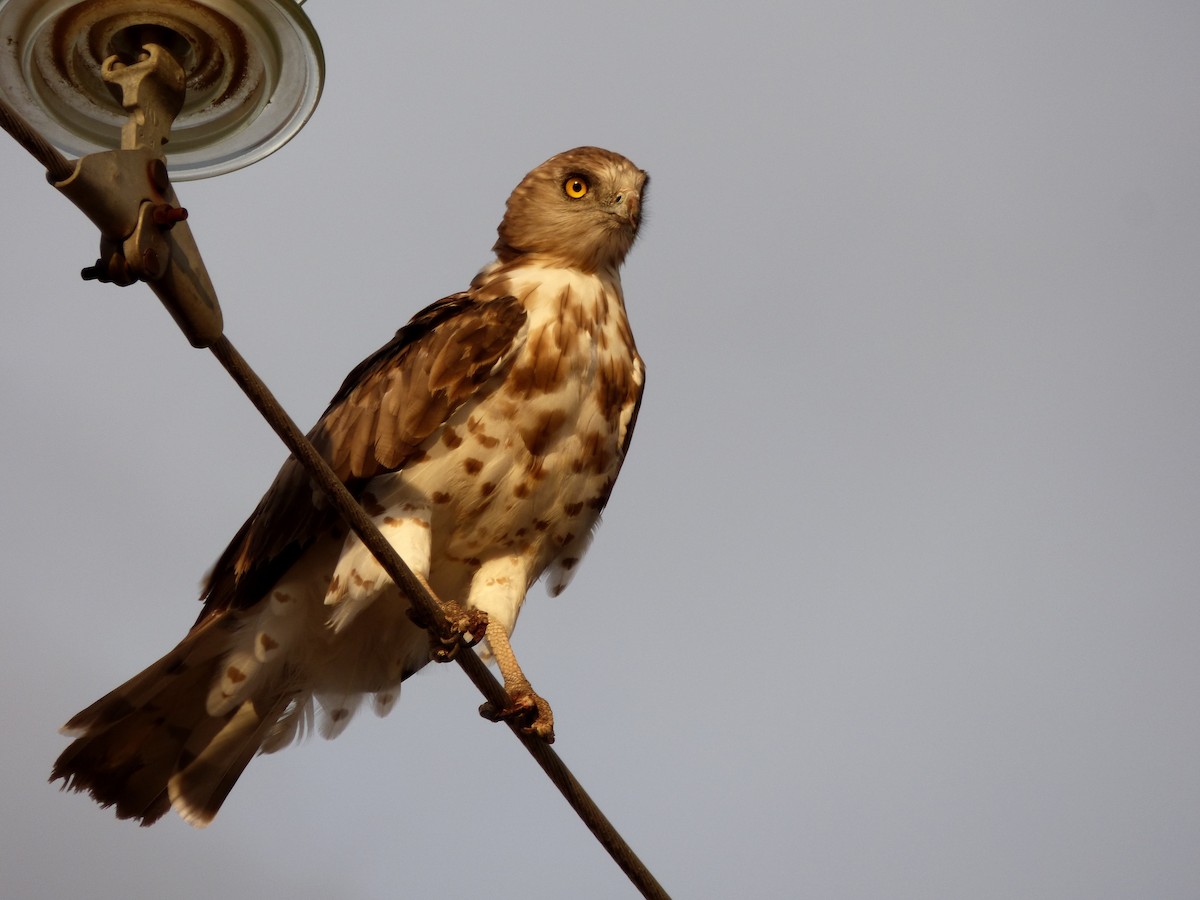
x: 579, y: 209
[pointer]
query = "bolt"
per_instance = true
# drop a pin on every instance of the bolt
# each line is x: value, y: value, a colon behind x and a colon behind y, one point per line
x: 165, y: 215
x: 98, y: 272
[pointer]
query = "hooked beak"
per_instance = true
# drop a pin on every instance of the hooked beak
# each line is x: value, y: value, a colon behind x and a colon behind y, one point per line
x: 627, y: 204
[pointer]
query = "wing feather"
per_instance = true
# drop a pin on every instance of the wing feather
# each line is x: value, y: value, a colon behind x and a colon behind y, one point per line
x: 385, y: 409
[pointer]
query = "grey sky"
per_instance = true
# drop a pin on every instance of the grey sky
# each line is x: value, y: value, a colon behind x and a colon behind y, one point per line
x: 898, y: 593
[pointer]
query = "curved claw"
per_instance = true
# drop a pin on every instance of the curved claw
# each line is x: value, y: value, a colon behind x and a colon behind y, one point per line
x: 528, y: 711
x: 460, y: 627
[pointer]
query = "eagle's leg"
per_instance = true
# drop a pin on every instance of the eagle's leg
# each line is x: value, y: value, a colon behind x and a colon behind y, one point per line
x: 527, y: 709
x: 359, y: 580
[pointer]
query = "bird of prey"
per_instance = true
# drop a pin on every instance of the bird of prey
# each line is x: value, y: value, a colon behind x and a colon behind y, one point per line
x: 483, y: 440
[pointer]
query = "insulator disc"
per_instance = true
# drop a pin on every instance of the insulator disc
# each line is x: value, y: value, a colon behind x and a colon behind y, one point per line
x: 254, y: 74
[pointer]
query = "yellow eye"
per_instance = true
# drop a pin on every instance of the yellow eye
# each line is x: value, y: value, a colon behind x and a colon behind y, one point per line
x: 575, y: 187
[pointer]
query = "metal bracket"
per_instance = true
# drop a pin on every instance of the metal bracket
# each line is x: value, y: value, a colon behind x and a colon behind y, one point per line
x: 144, y: 235
x: 152, y: 89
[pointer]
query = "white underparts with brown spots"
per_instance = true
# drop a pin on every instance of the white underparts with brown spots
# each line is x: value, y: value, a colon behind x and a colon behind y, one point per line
x: 510, y: 486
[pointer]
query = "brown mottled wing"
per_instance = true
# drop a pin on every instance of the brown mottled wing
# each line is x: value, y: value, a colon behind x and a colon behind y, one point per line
x: 631, y: 401
x: 387, y: 406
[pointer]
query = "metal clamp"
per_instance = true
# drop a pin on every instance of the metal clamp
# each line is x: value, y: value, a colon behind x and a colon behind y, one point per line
x: 144, y: 235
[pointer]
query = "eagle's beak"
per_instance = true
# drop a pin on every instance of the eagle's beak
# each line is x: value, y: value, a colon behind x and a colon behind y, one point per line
x: 627, y: 205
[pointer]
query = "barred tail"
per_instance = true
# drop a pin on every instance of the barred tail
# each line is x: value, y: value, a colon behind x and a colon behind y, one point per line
x: 151, y: 744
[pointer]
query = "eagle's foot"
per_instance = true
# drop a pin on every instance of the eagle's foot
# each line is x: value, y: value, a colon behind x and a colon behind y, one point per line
x: 528, y: 711
x: 459, y: 627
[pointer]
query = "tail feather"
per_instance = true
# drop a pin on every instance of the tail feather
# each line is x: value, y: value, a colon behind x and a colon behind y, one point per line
x: 132, y: 743
x: 195, y: 655
x: 180, y: 733
x: 198, y: 790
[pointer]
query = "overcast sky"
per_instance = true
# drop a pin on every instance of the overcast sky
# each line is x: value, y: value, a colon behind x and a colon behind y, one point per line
x: 899, y: 593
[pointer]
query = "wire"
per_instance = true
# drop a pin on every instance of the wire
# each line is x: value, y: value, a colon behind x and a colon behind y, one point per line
x: 390, y: 560
x: 58, y: 167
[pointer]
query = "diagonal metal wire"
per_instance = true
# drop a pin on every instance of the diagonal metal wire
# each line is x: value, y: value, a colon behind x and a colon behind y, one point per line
x: 59, y: 168
x: 391, y: 562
